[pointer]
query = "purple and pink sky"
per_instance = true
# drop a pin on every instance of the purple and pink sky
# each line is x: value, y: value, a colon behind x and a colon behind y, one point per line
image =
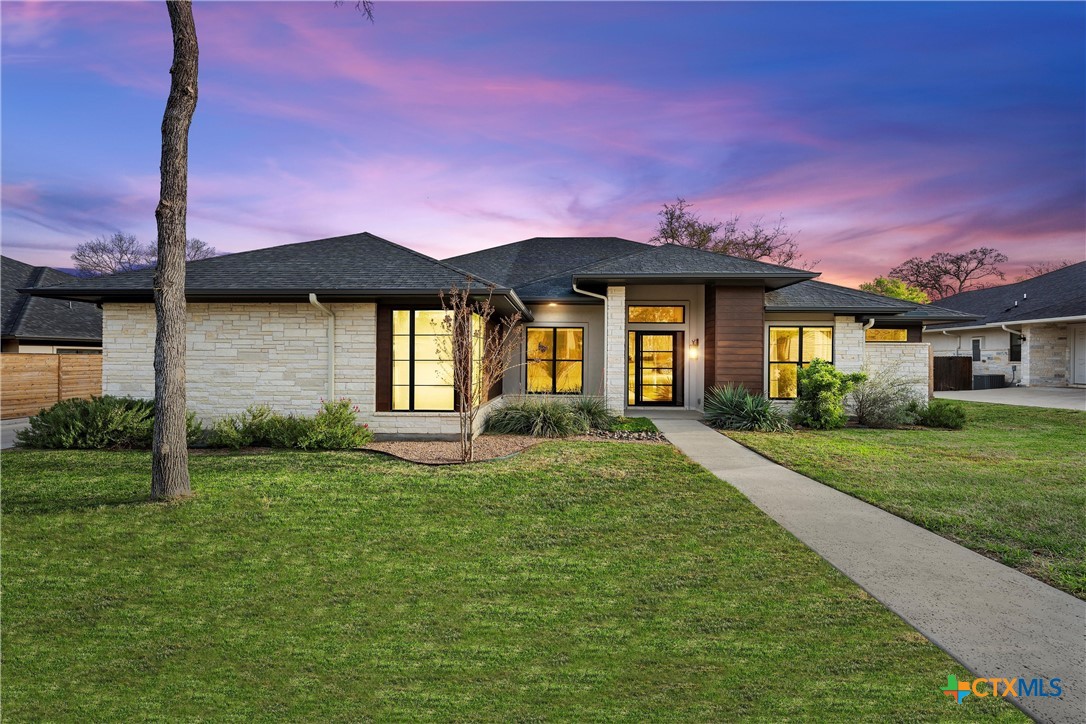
x: 881, y: 131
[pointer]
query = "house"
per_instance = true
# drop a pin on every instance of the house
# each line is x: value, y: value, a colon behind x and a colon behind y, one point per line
x: 40, y: 325
x: 1029, y: 333
x: 358, y: 316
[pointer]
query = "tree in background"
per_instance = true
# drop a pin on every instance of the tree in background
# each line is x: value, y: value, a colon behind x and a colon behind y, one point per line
x: 680, y: 224
x: 123, y: 252
x: 481, y: 353
x: 945, y: 274
x: 890, y: 287
x: 1043, y: 267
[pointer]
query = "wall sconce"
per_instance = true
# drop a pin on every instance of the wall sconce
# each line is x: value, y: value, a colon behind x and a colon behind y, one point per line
x: 694, y: 348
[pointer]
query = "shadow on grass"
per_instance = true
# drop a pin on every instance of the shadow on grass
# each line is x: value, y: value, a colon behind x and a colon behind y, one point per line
x: 47, y: 502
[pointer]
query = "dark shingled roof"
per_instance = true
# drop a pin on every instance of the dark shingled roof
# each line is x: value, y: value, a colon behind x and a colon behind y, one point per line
x: 358, y: 265
x: 521, y: 262
x: 1061, y: 293
x: 810, y: 296
x: 35, y: 318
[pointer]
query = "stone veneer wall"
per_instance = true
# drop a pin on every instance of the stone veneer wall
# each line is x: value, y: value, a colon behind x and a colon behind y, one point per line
x: 245, y: 354
x: 910, y: 361
x: 614, y: 372
x: 1046, y: 355
x: 848, y: 344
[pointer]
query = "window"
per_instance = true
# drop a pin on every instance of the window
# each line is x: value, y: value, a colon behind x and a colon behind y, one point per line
x: 791, y: 348
x: 556, y: 360
x: 656, y: 314
x: 976, y: 349
x: 1016, y: 347
x: 887, y: 335
x: 422, y: 374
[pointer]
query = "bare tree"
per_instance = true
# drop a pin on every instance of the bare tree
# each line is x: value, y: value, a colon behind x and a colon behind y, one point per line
x: 945, y: 274
x: 170, y: 456
x: 195, y: 249
x: 118, y: 252
x: 680, y: 224
x: 1043, y: 267
x: 481, y: 352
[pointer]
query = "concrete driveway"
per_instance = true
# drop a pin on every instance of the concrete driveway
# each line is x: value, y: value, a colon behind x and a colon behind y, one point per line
x: 1064, y: 398
x: 10, y: 427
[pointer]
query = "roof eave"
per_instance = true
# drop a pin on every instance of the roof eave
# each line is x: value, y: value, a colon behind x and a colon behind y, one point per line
x: 771, y: 280
x: 996, y: 325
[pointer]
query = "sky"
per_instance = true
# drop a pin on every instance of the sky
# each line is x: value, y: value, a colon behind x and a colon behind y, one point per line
x: 880, y: 131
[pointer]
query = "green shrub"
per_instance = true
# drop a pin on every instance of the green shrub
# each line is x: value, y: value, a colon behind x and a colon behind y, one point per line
x: 820, y: 403
x: 883, y: 400
x: 734, y: 408
x: 634, y: 424
x: 98, y: 423
x: 597, y: 415
x: 946, y: 414
x: 334, y: 427
x: 536, y: 417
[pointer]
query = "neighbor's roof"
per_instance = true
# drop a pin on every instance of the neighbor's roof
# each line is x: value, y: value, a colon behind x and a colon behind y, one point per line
x: 815, y: 296
x: 1055, y: 295
x: 34, y: 318
x: 355, y: 266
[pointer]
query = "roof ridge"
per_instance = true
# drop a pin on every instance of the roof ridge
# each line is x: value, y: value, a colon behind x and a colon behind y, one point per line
x: 582, y: 266
x: 450, y: 267
x: 733, y: 256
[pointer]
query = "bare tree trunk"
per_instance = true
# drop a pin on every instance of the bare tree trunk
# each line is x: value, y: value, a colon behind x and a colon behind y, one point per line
x: 170, y: 463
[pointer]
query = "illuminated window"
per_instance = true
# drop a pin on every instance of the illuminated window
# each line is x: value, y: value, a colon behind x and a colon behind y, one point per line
x: 422, y: 373
x: 556, y: 360
x: 656, y: 314
x: 887, y: 335
x: 791, y: 348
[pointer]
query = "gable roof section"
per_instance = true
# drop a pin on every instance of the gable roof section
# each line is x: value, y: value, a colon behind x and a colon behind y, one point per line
x: 353, y: 266
x: 27, y: 317
x: 521, y: 262
x: 816, y: 296
x: 1056, y: 295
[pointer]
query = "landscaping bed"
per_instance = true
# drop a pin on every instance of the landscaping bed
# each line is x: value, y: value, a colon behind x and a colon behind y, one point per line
x: 577, y: 581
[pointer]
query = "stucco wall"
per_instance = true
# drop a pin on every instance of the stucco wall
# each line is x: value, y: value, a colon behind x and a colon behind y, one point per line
x: 909, y: 361
x: 245, y: 354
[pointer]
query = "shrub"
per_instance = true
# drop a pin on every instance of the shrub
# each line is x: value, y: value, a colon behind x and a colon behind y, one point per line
x: 883, y: 400
x: 98, y: 423
x: 333, y: 428
x: 538, y: 418
x: 734, y: 408
x: 820, y: 402
x: 597, y: 415
x: 939, y: 413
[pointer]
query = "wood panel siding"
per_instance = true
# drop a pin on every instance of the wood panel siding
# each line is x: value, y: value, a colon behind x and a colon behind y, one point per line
x: 735, y: 337
x: 383, y: 377
x: 33, y: 382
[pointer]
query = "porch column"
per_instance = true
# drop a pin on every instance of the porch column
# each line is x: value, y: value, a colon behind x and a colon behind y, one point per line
x: 614, y: 344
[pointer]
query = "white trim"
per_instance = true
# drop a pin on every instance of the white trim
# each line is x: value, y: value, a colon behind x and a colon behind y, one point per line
x: 996, y: 325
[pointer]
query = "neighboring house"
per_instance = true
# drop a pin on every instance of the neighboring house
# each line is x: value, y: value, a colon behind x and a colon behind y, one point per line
x: 39, y: 325
x: 642, y: 326
x: 1031, y: 332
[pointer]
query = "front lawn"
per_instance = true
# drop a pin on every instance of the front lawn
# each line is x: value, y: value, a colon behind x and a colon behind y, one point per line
x: 1011, y: 485
x: 577, y: 581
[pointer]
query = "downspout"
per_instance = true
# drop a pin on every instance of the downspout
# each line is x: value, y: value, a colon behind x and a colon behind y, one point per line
x: 1014, y: 368
x: 588, y: 293
x: 959, y: 347
x: 869, y: 324
x: 331, y: 345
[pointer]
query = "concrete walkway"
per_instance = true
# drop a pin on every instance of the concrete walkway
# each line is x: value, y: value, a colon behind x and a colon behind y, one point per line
x: 1064, y: 398
x: 8, y: 430
x: 994, y: 620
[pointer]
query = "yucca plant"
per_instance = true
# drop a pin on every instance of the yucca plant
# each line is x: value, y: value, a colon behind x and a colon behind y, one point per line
x: 597, y: 415
x: 538, y: 418
x: 734, y: 408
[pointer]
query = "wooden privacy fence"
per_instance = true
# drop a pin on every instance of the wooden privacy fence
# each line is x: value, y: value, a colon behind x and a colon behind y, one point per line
x: 30, y: 382
x: 953, y: 373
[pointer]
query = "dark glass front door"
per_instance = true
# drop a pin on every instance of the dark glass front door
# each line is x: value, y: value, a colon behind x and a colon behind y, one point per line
x: 655, y: 367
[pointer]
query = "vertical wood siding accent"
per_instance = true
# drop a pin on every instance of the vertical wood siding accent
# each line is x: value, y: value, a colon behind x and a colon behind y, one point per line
x: 384, y: 358
x: 735, y: 337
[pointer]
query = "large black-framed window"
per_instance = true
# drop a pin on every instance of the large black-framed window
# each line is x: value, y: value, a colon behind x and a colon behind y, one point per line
x: 792, y: 347
x: 555, y: 360
x: 421, y: 373
x: 1016, y: 347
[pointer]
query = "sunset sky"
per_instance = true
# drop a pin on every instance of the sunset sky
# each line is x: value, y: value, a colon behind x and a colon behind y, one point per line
x: 880, y: 131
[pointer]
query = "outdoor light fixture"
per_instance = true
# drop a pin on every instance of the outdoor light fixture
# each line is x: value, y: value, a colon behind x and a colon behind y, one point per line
x: 694, y: 349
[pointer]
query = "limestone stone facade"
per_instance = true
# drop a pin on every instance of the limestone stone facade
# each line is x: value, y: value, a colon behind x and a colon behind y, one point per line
x: 848, y: 344
x: 909, y: 361
x: 614, y: 375
x: 1046, y: 355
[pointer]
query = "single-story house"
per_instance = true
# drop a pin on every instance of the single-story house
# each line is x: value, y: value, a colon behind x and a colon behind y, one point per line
x: 41, y: 325
x: 354, y: 316
x: 1030, y: 333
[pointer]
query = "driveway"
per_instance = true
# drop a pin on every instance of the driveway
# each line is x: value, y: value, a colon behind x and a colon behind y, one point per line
x: 10, y: 427
x: 1064, y: 398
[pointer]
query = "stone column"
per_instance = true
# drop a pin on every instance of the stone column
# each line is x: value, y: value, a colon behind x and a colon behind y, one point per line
x: 614, y: 362
x: 848, y: 344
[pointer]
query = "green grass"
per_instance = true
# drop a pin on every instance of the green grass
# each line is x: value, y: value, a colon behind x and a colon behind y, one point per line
x: 577, y: 581
x: 634, y: 424
x: 1011, y: 485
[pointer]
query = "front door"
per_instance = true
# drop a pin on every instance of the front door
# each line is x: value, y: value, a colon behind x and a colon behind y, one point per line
x: 655, y: 368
